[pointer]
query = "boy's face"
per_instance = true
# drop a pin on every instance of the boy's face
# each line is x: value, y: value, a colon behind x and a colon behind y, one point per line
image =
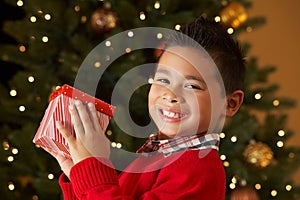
x: 179, y: 100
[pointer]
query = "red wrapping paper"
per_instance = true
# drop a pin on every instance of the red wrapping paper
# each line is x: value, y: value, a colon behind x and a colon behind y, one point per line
x: 48, y: 136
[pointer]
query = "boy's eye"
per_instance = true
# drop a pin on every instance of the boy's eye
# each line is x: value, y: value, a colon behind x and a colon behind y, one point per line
x: 162, y: 80
x: 193, y: 86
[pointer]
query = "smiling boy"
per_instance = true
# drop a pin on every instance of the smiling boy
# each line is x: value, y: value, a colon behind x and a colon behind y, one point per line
x: 179, y: 98
x: 181, y: 161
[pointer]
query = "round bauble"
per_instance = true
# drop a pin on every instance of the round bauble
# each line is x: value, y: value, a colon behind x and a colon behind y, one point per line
x: 233, y: 15
x: 103, y: 20
x: 258, y: 154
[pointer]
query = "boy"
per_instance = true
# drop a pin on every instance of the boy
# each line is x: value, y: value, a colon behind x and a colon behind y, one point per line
x: 181, y: 161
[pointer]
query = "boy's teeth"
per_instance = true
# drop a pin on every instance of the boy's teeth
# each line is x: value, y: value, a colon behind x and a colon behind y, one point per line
x: 171, y: 114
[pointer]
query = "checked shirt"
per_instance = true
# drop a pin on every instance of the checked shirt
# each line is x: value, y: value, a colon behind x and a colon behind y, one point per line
x: 170, y: 146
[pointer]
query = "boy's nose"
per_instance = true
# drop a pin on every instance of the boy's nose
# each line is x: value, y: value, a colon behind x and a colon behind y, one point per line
x: 171, y: 97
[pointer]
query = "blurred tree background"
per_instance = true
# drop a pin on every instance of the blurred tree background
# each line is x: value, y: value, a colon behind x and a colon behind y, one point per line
x: 43, y: 44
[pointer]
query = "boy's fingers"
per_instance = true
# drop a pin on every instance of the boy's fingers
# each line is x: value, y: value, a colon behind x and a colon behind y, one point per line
x: 76, y: 120
x: 65, y: 133
x: 94, y: 115
x: 84, y: 116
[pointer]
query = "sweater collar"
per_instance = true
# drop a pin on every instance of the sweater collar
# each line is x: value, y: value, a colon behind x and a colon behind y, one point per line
x: 170, y: 146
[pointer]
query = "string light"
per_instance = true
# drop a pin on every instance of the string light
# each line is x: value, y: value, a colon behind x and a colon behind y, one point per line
x: 233, y: 139
x: 234, y: 180
x: 258, y: 96
x: 5, y: 145
x: 142, y: 16
x: 45, y: 39
x: 222, y: 135
x: 232, y: 186
x: 230, y: 31
x: 150, y: 80
x: 281, y: 133
x: 21, y: 108
x: 257, y: 186
x: 157, y: 5
x: 33, y: 19
x: 83, y: 19
x: 127, y: 50
x: 10, y: 158
x: 114, y: 144
x: 226, y: 164
x: 119, y: 145
x: 47, y: 17
x: 159, y: 36
x: 276, y: 103
x: 57, y: 87
x: 50, y: 176
x: 15, y: 151
x: 22, y: 48
x: 20, y: 3
x: 223, y: 157
x: 97, y: 64
x: 30, y: 79
x: 288, y: 187
x: 108, y: 43
x: 11, y: 186
x: 13, y: 93
x: 130, y: 34
x: 217, y: 19
x: 177, y: 27
x: 109, y: 132
x: 77, y: 8
x: 273, y: 193
x: 279, y: 144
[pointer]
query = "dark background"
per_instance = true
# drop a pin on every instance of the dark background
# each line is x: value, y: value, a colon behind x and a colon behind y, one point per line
x: 8, y: 12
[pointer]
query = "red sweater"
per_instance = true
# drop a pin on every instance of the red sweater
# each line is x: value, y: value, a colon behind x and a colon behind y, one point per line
x: 195, y: 174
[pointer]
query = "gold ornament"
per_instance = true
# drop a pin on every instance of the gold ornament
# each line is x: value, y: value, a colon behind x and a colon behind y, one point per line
x: 233, y: 15
x: 244, y: 193
x: 103, y: 20
x: 258, y: 154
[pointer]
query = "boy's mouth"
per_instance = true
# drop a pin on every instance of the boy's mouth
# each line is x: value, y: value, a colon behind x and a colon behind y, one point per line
x: 171, y: 115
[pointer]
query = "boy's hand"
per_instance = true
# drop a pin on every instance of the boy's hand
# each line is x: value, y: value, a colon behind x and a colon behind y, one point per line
x: 65, y: 163
x: 90, y: 140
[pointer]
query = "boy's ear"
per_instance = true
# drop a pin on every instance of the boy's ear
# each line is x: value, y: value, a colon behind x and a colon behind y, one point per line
x: 234, y: 101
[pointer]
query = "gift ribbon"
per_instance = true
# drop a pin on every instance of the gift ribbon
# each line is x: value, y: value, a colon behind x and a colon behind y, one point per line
x: 84, y: 97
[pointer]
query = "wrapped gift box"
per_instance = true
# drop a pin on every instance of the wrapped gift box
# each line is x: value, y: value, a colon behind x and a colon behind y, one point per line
x: 48, y: 136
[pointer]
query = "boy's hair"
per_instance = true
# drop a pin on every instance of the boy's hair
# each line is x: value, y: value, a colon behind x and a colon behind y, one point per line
x: 225, y: 51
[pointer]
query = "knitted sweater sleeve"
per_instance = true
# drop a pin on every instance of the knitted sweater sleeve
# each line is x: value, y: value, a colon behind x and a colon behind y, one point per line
x: 67, y: 188
x: 92, y: 178
x: 95, y: 178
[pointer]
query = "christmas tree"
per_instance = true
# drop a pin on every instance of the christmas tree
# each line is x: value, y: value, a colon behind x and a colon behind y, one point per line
x: 44, y: 46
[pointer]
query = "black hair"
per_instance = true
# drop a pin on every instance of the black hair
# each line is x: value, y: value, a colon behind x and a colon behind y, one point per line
x: 222, y: 48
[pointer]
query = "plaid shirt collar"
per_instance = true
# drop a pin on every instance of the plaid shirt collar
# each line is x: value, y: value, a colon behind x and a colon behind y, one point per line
x: 170, y: 146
